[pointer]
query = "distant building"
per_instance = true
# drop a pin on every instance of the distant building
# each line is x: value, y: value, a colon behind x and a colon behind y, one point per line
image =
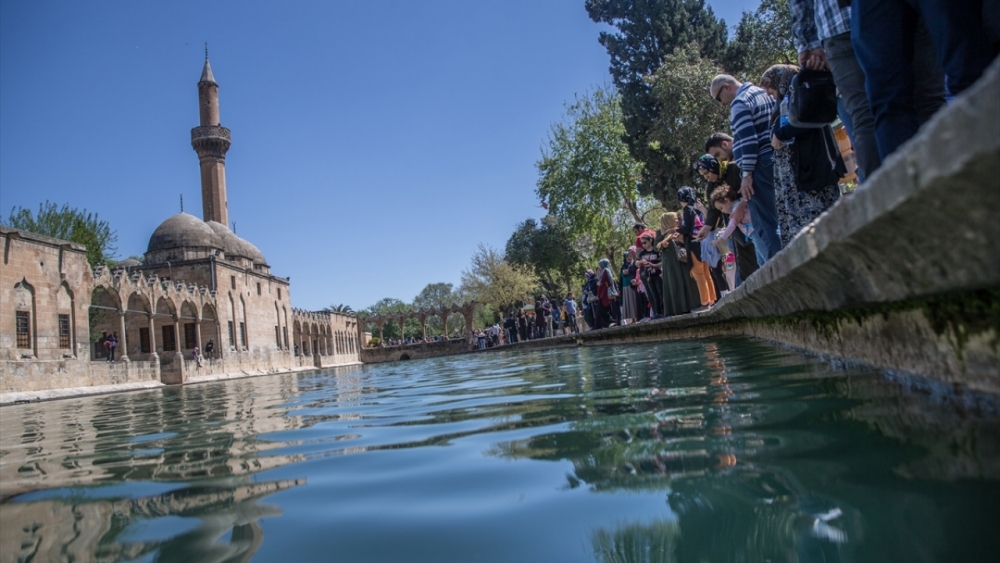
x: 198, y: 283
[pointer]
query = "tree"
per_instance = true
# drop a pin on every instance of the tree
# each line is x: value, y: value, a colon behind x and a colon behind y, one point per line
x: 646, y: 33
x: 588, y: 177
x: 687, y: 115
x: 341, y: 308
x: 70, y: 224
x: 493, y: 280
x: 548, y: 248
x: 436, y: 296
x: 763, y: 38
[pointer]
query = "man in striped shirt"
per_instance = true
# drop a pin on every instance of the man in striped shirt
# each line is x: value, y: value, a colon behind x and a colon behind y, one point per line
x: 750, y: 120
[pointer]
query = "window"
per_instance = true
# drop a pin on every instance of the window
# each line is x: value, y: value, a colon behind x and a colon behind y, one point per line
x: 232, y: 280
x: 277, y: 336
x: 279, y: 294
x: 243, y: 335
x: 284, y: 330
x: 169, y: 338
x: 190, y: 336
x: 23, y: 322
x: 144, y: 340
x: 232, y: 335
x: 258, y: 288
x: 64, y: 331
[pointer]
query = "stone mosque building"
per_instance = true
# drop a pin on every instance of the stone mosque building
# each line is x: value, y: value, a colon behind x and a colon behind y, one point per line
x: 198, y: 283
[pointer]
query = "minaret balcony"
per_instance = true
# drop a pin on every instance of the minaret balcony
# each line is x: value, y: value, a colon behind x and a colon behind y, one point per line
x: 210, y: 141
x: 207, y: 132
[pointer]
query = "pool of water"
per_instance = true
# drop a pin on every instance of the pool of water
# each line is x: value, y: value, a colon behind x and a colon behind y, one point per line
x: 701, y: 450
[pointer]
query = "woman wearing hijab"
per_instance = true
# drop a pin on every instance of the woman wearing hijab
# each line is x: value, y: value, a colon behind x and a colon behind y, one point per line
x: 680, y: 292
x: 605, y: 283
x: 630, y: 309
x: 589, y: 297
x: 691, y: 223
x: 807, y: 164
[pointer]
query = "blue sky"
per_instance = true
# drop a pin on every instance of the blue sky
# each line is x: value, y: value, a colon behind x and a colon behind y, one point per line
x: 375, y: 144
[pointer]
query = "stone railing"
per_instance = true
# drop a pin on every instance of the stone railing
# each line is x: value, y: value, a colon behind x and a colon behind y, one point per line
x: 210, y: 132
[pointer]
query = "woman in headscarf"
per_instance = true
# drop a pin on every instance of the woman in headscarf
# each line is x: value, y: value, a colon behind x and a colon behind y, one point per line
x: 807, y: 164
x: 605, y: 287
x: 630, y: 309
x: 691, y: 223
x: 680, y: 292
x: 718, y: 173
x: 588, y: 297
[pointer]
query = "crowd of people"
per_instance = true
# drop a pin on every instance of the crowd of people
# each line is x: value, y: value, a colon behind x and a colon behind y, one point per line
x: 892, y: 63
x: 889, y: 65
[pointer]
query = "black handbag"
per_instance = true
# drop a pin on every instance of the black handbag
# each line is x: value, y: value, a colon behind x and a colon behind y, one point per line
x: 812, y: 99
x: 816, y: 160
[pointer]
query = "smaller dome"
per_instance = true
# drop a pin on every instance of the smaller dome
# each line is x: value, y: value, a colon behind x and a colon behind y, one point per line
x: 128, y: 264
x: 234, y: 245
x: 181, y: 231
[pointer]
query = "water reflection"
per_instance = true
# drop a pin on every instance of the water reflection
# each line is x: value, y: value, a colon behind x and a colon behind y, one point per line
x: 724, y: 450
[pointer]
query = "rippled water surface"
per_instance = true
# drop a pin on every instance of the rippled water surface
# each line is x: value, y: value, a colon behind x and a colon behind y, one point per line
x: 713, y: 450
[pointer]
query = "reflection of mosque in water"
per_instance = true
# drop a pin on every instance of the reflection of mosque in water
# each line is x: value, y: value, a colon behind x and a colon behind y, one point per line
x: 205, y: 433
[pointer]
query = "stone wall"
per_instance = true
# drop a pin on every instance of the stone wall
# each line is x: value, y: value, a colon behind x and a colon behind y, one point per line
x: 415, y: 351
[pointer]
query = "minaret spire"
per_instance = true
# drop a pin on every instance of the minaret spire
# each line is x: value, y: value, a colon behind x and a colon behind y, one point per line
x: 211, y: 141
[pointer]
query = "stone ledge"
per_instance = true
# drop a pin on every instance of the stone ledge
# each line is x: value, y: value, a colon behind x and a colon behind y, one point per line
x: 926, y: 225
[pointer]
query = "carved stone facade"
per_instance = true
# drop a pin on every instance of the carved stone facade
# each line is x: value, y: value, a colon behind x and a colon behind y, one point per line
x: 199, y: 286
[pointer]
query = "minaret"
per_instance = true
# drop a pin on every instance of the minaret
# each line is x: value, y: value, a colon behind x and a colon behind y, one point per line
x: 211, y: 141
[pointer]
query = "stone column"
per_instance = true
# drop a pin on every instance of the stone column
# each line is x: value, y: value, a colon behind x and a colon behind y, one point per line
x: 177, y: 347
x: 153, y: 356
x: 197, y: 334
x: 123, y: 339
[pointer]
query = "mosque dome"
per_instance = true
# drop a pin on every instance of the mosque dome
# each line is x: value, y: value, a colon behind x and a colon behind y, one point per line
x: 183, y: 231
x: 233, y: 245
x: 128, y: 264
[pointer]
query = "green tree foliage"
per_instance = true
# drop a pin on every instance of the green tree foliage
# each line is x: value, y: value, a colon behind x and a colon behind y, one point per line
x: 762, y: 38
x: 548, y: 248
x: 435, y: 296
x: 341, y: 308
x: 70, y: 224
x: 588, y: 177
x: 687, y: 116
x: 492, y: 280
x: 647, y: 32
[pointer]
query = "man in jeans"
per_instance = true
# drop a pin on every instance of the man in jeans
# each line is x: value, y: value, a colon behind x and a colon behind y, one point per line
x: 750, y: 118
x: 883, y: 33
x: 822, y: 33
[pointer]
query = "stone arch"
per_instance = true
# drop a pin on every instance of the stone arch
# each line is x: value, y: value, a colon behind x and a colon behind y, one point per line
x: 105, y: 318
x: 277, y: 325
x: 242, y: 329
x: 297, y: 337
x: 25, y: 319
x: 165, y: 326
x: 189, y: 320
x: 284, y: 325
x: 210, y: 328
x: 231, y: 322
x: 138, y: 311
x: 66, y: 317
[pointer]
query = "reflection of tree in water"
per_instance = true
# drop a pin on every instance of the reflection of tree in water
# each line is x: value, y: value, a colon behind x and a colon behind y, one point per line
x: 746, y: 514
x: 654, y: 542
x: 101, y: 530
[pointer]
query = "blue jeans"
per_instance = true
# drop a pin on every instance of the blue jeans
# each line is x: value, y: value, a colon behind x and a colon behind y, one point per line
x: 888, y: 38
x: 764, y: 210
